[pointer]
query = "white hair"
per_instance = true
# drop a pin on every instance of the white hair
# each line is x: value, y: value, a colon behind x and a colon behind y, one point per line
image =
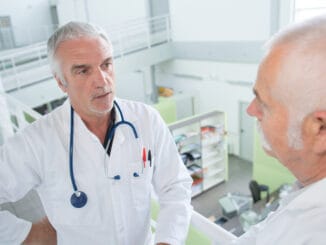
x: 301, y: 79
x: 70, y: 31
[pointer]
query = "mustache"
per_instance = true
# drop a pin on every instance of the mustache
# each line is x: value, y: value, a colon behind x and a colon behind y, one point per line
x: 101, y: 92
x: 263, y: 139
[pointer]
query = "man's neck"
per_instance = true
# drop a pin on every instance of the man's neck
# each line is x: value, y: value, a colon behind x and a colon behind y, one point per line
x: 98, y: 125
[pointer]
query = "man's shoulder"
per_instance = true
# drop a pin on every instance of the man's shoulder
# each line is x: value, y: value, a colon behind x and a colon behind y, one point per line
x: 53, y: 119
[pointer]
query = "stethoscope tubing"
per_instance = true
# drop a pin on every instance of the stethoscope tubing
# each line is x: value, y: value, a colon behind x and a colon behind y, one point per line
x: 122, y: 121
x: 79, y: 198
x: 71, y: 150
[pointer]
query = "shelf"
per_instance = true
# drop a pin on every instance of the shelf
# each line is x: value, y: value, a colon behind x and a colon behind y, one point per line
x: 209, y: 184
x: 217, y: 156
x: 210, y: 154
x: 207, y: 163
x: 192, y: 169
x: 202, y: 144
x: 189, y: 147
x: 206, y: 143
x: 212, y: 172
x: 185, y: 137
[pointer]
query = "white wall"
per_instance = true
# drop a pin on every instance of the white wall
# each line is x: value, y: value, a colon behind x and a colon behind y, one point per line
x: 206, y: 20
x: 66, y: 11
x: 215, y: 86
x: 220, y: 20
x: 104, y: 13
x: 131, y: 86
x: 29, y: 18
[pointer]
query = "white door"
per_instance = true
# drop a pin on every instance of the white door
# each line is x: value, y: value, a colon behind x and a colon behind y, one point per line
x: 246, y: 132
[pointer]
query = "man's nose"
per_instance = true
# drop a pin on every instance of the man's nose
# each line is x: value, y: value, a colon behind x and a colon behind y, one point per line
x: 100, y: 78
x: 251, y: 110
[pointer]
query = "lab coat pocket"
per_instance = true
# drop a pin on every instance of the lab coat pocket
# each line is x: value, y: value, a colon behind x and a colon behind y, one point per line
x: 140, y: 185
x: 61, y: 211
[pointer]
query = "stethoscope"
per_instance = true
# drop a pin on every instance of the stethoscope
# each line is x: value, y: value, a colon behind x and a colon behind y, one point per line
x: 79, y: 198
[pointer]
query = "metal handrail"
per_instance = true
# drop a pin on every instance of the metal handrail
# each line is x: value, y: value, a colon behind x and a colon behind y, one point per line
x: 214, y: 232
x: 22, y: 36
x: 9, y: 54
x: 128, y: 37
x: 20, y: 114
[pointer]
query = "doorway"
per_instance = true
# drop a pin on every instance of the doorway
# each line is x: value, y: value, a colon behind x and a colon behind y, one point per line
x: 246, y: 132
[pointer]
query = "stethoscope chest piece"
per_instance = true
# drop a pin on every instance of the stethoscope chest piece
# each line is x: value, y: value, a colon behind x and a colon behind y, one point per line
x: 78, y: 199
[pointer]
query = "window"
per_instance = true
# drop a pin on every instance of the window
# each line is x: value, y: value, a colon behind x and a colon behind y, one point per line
x: 305, y: 9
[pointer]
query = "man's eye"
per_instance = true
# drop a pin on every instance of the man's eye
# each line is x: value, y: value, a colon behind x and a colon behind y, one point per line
x: 108, y: 65
x: 83, y: 71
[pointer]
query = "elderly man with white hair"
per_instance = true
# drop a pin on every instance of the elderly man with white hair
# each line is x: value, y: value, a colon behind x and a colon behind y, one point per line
x: 290, y: 106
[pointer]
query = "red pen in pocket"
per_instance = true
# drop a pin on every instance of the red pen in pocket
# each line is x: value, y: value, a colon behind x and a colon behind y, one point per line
x: 144, y: 157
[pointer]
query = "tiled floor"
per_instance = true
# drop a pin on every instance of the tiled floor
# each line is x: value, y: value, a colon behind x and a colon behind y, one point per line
x: 240, y: 173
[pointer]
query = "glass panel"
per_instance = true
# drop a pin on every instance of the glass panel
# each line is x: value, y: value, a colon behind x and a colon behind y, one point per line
x: 305, y: 9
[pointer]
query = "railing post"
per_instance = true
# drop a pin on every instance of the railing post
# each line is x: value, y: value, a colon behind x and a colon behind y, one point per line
x: 143, y: 33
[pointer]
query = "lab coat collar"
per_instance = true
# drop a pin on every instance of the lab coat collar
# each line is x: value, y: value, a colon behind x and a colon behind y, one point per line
x: 121, y: 102
x: 119, y: 137
x: 308, y: 196
x: 126, y: 112
x: 128, y: 116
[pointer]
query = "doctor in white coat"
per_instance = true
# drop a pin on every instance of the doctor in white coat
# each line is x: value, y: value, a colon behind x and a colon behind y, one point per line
x: 95, y: 159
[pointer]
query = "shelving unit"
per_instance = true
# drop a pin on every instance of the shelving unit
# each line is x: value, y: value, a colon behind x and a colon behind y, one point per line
x: 201, y: 141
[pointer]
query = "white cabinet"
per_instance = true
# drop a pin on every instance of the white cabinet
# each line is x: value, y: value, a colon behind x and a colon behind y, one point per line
x: 201, y: 141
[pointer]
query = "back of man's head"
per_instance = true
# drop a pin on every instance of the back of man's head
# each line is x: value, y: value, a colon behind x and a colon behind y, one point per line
x: 304, y: 53
x: 301, y: 80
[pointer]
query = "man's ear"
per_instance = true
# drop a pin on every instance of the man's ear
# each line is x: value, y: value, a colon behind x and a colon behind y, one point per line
x: 61, y: 84
x: 319, y: 132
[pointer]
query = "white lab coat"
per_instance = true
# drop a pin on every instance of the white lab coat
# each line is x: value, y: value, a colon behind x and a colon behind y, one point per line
x: 117, y: 211
x: 299, y: 220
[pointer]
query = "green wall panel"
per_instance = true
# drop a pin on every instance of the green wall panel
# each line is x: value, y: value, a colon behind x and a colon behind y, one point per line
x: 167, y: 109
x: 268, y: 170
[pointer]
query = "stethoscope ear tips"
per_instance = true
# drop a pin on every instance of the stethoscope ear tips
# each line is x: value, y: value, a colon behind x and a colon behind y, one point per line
x: 78, y: 199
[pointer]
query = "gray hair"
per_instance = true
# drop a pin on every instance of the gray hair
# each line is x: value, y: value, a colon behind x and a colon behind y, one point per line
x: 70, y: 31
x: 303, y: 56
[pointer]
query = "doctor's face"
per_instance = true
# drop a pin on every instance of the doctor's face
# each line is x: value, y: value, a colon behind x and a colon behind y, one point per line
x: 87, y: 69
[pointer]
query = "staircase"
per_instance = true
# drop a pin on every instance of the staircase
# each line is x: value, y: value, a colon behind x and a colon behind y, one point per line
x: 138, y: 43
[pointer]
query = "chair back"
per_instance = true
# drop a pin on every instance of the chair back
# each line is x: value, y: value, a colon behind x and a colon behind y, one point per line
x: 255, y: 191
